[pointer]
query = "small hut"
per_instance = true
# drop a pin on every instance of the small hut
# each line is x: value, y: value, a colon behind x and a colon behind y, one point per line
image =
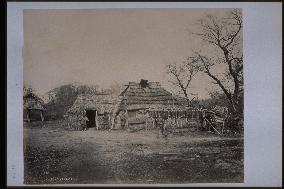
x: 96, y: 108
x: 33, y: 107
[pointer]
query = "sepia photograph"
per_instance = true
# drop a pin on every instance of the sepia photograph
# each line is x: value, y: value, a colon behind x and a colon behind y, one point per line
x: 133, y: 96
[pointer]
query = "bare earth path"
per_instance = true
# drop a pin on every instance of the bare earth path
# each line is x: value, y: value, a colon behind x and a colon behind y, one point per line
x: 54, y: 155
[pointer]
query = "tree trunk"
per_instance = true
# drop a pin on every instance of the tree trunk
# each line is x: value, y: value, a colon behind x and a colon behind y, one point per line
x: 186, y: 96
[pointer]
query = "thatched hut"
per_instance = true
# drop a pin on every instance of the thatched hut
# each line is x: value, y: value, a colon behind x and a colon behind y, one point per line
x: 33, y: 107
x: 137, y: 100
x: 96, y: 108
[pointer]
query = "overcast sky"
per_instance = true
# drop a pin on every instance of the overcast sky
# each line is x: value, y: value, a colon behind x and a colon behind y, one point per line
x: 108, y: 45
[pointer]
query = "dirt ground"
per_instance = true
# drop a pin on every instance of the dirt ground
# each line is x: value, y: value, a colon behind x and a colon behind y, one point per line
x: 54, y: 155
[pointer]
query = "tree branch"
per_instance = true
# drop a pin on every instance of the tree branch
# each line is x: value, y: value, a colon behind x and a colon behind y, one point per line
x: 213, y: 77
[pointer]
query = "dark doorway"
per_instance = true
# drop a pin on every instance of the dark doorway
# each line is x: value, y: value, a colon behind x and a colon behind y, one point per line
x: 32, y: 115
x: 91, y: 115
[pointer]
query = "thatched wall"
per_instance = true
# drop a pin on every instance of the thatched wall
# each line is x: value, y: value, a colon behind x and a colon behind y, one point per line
x: 103, y: 103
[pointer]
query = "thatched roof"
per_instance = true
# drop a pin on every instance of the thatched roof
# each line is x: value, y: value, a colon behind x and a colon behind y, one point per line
x: 33, y: 102
x: 101, y: 102
x: 151, y: 94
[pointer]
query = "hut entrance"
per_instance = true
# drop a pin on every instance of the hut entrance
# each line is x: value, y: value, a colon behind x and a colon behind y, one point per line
x: 91, y: 115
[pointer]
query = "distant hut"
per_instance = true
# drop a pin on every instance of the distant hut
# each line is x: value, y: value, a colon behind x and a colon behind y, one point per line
x: 96, y: 108
x: 33, y: 107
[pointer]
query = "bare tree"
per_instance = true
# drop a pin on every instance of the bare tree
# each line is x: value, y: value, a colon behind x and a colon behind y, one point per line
x: 181, y: 76
x: 224, y: 35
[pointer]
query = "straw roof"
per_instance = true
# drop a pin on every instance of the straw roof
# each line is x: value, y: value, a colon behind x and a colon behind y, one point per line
x: 137, y: 96
x: 102, y: 102
x: 33, y: 102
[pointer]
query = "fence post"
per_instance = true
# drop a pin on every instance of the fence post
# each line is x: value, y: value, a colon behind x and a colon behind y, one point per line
x: 146, y: 124
x: 96, y: 120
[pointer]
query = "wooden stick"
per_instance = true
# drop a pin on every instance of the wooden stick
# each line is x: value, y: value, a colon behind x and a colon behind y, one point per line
x: 213, y: 127
x: 28, y: 115
x: 41, y: 116
x: 96, y: 120
x: 146, y: 124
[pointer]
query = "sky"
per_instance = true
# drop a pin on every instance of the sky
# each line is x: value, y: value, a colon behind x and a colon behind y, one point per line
x: 107, y: 46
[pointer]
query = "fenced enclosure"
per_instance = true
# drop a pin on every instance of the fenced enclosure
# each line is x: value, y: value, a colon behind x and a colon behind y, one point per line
x: 189, y: 120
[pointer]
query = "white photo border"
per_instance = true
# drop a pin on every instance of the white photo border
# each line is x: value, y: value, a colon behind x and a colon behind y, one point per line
x: 263, y: 86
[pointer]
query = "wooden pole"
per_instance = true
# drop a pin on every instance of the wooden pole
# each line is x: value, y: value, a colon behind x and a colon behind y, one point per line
x: 178, y: 120
x: 41, y: 116
x: 146, y: 123
x: 197, y: 114
x: 96, y: 120
x: 112, y: 121
x: 126, y: 114
x: 154, y: 122
x: 213, y: 127
x: 175, y: 116
x: 28, y: 115
x: 109, y: 119
x: 223, y: 124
